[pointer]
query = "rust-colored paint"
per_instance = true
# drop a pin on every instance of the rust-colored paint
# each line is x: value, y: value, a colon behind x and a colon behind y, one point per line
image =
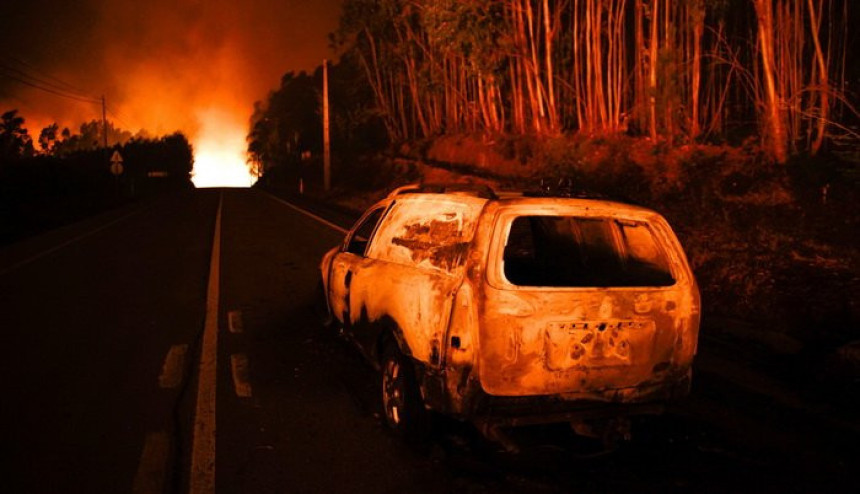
x: 440, y: 242
x: 435, y: 269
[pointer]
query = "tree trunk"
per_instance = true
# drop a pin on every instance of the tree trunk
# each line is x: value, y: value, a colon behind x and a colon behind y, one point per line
x: 698, y: 20
x: 552, y: 113
x: 652, y: 69
x: 776, y: 142
x: 639, y: 88
x: 577, y: 67
x: 538, y: 113
x: 823, y: 83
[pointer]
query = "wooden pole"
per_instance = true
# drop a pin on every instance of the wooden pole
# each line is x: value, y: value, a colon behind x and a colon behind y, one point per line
x: 326, y: 140
x: 104, y: 121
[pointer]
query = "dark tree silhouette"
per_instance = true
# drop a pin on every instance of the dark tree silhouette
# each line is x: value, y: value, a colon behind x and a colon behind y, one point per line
x: 48, y: 138
x: 71, y: 179
x: 15, y: 141
x: 289, y: 122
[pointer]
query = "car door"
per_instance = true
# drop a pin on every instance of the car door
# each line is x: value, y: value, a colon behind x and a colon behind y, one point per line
x: 350, y: 259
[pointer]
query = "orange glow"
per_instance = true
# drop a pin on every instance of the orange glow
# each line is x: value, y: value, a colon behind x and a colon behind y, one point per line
x: 165, y: 66
x: 209, y: 103
x: 219, y: 151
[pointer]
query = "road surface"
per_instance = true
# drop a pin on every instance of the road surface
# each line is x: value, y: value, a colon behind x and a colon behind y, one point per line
x: 169, y: 348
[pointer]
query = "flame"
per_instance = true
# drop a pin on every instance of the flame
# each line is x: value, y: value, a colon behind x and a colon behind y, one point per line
x: 219, y: 151
x: 173, y: 65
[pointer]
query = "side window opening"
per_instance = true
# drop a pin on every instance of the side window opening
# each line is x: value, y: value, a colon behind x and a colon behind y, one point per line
x: 361, y: 237
x: 568, y: 251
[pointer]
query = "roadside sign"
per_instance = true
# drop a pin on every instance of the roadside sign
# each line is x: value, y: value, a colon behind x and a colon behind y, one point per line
x: 116, y: 163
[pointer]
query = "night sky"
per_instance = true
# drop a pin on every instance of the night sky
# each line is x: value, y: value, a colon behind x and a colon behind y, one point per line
x: 159, y: 63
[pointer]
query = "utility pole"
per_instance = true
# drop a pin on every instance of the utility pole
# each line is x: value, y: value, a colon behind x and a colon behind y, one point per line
x: 104, y: 120
x: 107, y: 153
x: 326, y: 141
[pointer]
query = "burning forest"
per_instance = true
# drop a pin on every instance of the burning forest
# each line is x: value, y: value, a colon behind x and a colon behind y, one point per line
x: 681, y: 72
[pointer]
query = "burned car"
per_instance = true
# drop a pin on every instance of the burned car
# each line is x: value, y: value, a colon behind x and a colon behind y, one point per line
x: 513, y: 308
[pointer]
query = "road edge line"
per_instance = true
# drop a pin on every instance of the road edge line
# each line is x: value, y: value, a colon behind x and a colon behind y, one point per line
x: 69, y: 242
x: 308, y: 213
x: 202, y: 475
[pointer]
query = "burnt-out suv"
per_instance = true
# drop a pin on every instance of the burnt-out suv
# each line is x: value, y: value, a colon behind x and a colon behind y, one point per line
x: 516, y: 309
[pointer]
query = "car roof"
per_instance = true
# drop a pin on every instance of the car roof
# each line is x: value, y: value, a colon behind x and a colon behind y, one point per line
x: 511, y: 198
x: 520, y: 199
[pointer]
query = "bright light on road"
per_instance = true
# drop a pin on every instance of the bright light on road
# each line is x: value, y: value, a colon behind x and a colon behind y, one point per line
x: 219, y: 151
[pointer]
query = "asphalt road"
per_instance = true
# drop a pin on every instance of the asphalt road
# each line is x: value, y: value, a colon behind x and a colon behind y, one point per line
x: 114, y: 333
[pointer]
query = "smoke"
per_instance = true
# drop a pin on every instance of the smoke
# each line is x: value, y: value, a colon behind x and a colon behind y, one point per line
x: 162, y: 65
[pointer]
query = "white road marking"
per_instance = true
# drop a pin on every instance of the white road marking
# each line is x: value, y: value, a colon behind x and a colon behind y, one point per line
x: 241, y: 375
x: 67, y: 243
x: 202, y: 477
x: 309, y: 214
x: 234, y: 321
x: 152, y: 469
x: 172, y: 370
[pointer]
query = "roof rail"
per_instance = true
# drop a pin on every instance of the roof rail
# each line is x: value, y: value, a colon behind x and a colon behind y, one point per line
x: 563, y: 187
x: 405, y: 189
x: 483, y: 191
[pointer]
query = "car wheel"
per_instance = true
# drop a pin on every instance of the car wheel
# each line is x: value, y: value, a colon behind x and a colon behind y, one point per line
x: 320, y: 307
x: 401, y: 400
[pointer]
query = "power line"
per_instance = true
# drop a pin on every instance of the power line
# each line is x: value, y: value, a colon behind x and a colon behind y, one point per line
x: 18, y: 73
x: 48, y: 89
x: 53, y: 85
x: 72, y: 88
x: 116, y: 117
x: 58, y: 87
x: 116, y: 113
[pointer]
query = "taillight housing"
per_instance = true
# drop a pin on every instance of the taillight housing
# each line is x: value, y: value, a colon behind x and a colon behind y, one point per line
x: 462, y: 330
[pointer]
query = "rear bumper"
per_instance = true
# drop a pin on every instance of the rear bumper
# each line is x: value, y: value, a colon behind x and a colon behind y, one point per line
x: 531, y: 410
x: 473, y: 404
x: 581, y: 412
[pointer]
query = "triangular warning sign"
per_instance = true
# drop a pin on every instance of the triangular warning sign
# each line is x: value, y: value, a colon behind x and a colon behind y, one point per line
x: 116, y: 158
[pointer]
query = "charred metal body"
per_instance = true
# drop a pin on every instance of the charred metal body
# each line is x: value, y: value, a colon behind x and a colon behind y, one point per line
x: 518, y: 310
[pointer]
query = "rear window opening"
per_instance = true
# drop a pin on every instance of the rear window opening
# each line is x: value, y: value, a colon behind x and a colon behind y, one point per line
x: 569, y: 251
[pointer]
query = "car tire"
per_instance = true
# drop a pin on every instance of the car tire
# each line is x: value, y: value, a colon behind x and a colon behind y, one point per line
x: 402, y: 405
